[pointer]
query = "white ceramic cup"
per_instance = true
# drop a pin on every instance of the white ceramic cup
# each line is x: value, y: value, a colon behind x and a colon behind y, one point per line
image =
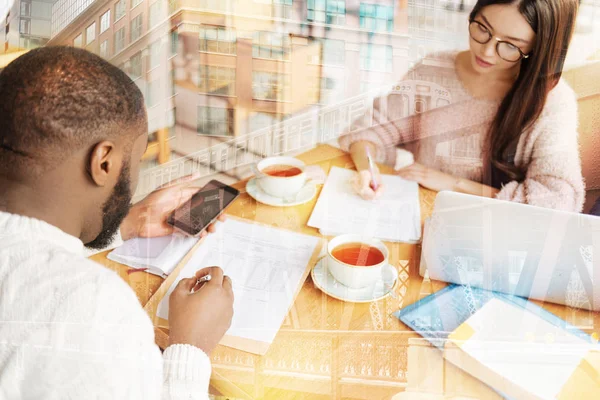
x: 280, y: 186
x: 350, y: 275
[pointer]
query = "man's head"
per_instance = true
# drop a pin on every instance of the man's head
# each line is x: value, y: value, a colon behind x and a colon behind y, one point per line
x: 73, y: 128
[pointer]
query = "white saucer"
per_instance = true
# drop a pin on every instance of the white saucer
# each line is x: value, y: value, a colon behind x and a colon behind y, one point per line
x: 303, y: 196
x: 330, y: 286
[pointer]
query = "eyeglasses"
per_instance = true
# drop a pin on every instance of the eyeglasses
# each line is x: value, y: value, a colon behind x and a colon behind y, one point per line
x: 506, y: 50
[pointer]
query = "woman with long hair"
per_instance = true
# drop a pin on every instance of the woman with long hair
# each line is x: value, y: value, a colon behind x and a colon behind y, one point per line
x: 510, y: 130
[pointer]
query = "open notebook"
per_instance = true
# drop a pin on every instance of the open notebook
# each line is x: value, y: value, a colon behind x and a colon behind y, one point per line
x: 157, y: 256
x: 395, y: 216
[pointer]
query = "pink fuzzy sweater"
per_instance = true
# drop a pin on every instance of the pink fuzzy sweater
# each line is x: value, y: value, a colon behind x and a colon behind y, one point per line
x: 451, y: 138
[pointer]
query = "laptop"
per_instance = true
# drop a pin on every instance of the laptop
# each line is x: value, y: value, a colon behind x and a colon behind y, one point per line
x: 513, y: 248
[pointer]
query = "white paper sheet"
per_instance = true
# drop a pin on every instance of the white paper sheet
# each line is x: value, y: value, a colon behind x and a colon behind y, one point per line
x: 395, y: 216
x: 265, y: 265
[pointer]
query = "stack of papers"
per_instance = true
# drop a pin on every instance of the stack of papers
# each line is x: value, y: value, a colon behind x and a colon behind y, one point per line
x: 395, y: 216
x: 267, y: 266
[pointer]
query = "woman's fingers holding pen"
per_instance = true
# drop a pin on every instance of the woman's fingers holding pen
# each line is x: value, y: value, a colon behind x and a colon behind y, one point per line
x: 363, y: 185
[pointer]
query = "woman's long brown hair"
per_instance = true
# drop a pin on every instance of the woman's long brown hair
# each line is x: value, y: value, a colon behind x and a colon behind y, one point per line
x: 553, y: 22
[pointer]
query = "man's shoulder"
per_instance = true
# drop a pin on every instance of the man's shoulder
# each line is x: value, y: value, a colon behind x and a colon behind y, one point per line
x: 89, y: 289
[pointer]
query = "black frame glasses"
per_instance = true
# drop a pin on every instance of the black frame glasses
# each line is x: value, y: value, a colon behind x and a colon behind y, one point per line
x: 490, y: 37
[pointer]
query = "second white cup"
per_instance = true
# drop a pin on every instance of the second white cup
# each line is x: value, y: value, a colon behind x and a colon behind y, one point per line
x: 348, y: 273
x: 280, y: 176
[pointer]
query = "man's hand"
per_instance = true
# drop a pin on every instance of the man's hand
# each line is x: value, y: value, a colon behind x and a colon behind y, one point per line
x: 148, y: 218
x: 201, y: 318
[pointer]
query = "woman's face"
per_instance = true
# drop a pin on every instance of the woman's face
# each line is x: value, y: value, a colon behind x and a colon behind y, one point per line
x: 503, y: 22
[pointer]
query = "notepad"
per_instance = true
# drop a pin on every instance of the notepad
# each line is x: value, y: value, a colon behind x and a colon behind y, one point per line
x: 157, y: 255
x: 267, y: 267
x: 507, y: 342
x: 395, y: 216
x: 524, y: 356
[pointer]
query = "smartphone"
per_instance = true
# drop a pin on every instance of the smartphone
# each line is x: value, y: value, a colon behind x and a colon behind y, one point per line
x: 203, y: 208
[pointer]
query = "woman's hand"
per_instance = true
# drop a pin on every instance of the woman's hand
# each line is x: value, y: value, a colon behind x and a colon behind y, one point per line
x: 362, y: 184
x: 428, y: 177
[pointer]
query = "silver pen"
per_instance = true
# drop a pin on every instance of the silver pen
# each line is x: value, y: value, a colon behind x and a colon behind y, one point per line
x: 205, y: 278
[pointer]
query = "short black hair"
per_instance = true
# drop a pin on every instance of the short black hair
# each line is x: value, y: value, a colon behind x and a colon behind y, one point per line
x: 56, y: 100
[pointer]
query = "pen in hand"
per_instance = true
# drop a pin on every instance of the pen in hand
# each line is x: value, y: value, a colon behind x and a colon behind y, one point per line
x: 203, y: 279
x: 373, y: 184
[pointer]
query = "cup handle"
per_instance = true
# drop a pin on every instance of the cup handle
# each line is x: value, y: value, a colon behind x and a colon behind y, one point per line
x: 256, y: 171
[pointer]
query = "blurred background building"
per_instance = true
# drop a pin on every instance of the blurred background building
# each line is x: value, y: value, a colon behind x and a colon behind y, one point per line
x: 230, y: 81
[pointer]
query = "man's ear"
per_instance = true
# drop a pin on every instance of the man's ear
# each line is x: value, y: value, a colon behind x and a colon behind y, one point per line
x: 103, y: 161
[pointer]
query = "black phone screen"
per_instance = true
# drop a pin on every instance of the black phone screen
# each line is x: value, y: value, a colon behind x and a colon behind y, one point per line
x: 206, y: 205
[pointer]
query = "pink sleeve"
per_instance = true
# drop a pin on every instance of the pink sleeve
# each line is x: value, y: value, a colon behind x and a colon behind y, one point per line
x: 456, y: 119
x: 551, y: 153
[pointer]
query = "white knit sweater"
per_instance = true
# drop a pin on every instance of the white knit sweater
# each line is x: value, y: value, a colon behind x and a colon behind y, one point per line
x: 72, y: 329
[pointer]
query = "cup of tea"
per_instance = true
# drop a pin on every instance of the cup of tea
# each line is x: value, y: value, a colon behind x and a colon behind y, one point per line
x: 280, y: 176
x: 356, y: 261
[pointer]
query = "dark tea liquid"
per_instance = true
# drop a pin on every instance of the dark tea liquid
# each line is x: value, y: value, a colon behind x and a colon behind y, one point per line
x: 282, y: 170
x: 359, y: 254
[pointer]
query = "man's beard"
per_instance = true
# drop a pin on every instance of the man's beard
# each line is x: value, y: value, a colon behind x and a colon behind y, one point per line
x: 114, y: 211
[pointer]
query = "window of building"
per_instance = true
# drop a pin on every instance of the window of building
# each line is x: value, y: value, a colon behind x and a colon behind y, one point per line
x: 332, y: 52
x: 26, y: 9
x: 105, y: 21
x: 119, y: 40
x: 217, y: 5
x: 376, y: 17
x: 218, y: 40
x: 270, y: 86
x: 104, y: 49
x: 271, y: 45
x: 322, y: 90
x: 136, y: 28
x: 153, y: 93
x: 135, y: 3
x: 78, y: 41
x: 215, y: 121
x: 282, y: 8
x: 155, y: 14
x: 326, y: 11
x: 174, y: 43
x: 374, y: 57
x: 90, y: 34
x: 174, y: 5
x: 217, y: 80
x: 260, y: 120
x: 155, y: 52
x: 25, y: 26
x: 135, y: 68
x: 120, y: 9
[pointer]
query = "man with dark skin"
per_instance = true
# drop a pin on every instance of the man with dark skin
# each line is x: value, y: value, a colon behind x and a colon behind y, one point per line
x: 73, y: 129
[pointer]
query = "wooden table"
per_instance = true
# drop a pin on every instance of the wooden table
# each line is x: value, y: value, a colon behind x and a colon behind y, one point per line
x: 329, y: 349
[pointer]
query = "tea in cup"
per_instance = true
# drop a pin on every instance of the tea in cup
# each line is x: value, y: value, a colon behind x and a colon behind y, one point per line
x: 356, y: 261
x: 280, y: 176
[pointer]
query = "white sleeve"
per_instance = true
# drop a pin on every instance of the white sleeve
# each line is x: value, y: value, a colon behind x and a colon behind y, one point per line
x: 117, y: 356
x: 186, y: 373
